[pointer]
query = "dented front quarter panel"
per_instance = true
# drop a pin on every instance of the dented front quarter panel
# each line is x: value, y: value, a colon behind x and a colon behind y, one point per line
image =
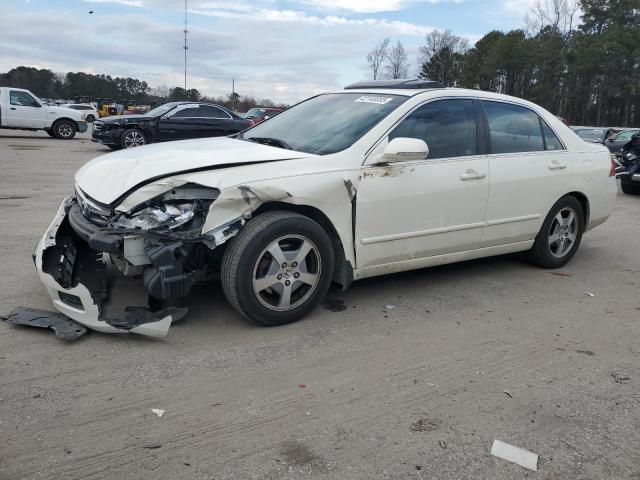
x: 329, y: 189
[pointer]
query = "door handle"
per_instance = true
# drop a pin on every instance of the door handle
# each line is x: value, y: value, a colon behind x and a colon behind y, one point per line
x: 472, y: 175
x: 555, y: 165
x: 13, y: 108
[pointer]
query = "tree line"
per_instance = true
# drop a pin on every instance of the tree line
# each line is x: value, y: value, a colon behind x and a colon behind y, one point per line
x: 48, y: 84
x: 589, y: 74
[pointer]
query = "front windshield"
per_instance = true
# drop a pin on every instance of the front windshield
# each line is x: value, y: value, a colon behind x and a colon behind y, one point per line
x: 591, y: 135
x: 161, y: 110
x: 325, y: 124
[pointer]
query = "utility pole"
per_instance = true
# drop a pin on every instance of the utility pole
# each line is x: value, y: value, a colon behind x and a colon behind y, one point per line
x: 186, y: 47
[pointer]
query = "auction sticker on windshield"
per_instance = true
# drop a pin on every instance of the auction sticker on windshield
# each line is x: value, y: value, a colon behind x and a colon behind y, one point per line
x: 374, y: 99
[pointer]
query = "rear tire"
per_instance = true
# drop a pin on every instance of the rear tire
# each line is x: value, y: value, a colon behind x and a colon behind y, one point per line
x: 630, y: 188
x: 50, y: 132
x: 90, y: 118
x: 283, y: 287
x: 560, y: 235
x: 64, y: 129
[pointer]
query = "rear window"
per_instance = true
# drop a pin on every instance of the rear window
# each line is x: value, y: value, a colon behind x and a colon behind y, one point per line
x: 513, y: 128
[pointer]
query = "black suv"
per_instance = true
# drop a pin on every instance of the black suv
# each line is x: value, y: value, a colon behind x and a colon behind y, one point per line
x: 171, y: 121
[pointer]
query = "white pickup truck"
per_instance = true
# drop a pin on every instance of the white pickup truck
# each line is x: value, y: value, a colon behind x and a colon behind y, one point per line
x: 22, y: 110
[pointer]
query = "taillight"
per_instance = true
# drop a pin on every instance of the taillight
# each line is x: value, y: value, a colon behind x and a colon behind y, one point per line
x: 614, y: 165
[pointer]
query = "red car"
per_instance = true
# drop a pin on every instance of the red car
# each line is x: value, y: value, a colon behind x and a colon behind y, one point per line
x: 259, y: 114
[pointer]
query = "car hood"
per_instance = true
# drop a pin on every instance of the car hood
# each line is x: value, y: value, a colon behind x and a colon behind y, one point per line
x: 110, y: 176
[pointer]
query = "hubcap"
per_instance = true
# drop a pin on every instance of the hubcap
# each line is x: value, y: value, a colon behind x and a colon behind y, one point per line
x: 65, y: 130
x: 133, y: 139
x: 287, y: 272
x: 563, y: 232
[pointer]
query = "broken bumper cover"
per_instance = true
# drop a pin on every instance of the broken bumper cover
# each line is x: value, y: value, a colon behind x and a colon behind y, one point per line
x: 75, y: 278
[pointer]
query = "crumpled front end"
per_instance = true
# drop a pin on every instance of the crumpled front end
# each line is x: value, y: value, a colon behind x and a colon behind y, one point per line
x: 74, y: 274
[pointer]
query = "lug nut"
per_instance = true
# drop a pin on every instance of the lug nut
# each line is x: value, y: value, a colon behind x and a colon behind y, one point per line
x: 284, y: 265
x: 287, y: 283
x: 294, y: 264
x: 279, y: 277
x: 296, y: 275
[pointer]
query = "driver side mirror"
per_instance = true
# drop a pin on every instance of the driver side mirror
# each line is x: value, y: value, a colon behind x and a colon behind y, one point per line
x: 404, y: 149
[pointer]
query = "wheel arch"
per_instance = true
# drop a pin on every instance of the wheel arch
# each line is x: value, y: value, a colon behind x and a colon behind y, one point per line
x: 58, y: 120
x: 584, y: 201
x: 343, y: 272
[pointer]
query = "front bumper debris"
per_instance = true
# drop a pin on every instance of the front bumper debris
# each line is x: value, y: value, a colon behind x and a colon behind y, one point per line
x: 62, y: 326
x: 74, y: 275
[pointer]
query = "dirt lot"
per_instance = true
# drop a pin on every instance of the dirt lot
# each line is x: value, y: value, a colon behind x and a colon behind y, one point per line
x: 469, y: 353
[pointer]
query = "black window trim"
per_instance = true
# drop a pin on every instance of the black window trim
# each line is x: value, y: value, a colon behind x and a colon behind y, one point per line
x: 480, y: 131
x: 230, y: 117
x: 481, y: 100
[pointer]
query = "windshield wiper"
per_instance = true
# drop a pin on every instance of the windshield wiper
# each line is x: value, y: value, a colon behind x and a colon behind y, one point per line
x: 273, y: 142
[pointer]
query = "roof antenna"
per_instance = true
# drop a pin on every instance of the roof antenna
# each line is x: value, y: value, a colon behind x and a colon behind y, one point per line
x: 186, y: 47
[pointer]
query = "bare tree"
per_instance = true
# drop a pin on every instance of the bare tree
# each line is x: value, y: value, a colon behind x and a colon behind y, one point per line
x: 397, y: 66
x: 161, y: 91
x: 557, y: 14
x: 377, y: 55
x: 439, y: 40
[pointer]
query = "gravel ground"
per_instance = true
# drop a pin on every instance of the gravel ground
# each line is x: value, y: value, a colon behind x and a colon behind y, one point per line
x: 469, y: 353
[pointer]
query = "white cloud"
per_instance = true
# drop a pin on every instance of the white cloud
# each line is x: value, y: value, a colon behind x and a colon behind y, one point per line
x: 128, y: 3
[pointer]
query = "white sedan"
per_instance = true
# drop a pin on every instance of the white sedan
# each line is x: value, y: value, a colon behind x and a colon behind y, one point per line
x: 378, y: 178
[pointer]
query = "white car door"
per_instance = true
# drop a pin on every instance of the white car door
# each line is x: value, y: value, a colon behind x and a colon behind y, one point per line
x: 25, y: 111
x: 529, y: 171
x: 416, y: 209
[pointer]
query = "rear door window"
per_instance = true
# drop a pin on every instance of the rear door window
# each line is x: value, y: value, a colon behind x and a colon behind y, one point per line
x: 209, y: 111
x: 447, y: 126
x: 513, y: 129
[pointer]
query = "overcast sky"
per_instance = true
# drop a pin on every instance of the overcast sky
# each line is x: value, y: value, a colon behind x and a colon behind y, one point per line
x: 282, y: 49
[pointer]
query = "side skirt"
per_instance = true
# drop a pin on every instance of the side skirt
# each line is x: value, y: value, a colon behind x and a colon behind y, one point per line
x: 441, y: 259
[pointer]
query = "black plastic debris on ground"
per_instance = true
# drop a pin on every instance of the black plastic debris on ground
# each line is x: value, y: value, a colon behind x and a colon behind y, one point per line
x: 62, y: 326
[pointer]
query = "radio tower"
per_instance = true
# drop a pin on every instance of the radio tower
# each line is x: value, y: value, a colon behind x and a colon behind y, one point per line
x: 186, y: 47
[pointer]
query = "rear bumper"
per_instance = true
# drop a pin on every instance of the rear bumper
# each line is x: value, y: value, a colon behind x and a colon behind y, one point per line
x: 74, y: 276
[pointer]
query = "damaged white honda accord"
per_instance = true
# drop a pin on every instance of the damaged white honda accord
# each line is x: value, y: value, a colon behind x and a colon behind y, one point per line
x: 378, y: 178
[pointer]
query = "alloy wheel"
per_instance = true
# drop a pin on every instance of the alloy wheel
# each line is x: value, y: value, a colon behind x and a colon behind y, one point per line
x: 563, y: 232
x: 65, y: 130
x: 134, y: 139
x: 286, y: 273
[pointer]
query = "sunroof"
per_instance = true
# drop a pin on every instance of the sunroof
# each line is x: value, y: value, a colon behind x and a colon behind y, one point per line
x: 406, y: 83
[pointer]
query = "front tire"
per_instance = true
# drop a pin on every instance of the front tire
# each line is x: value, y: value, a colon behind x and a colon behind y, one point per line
x: 560, y: 235
x: 278, y: 268
x: 630, y: 188
x: 64, y: 130
x: 132, y: 138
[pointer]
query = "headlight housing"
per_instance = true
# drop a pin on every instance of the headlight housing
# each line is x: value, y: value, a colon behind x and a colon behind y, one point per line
x: 181, y: 209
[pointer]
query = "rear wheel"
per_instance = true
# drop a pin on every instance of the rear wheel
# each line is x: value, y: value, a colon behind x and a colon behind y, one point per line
x: 133, y: 138
x: 278, y: 268
x: 64, y: 129
x: 90, y: 118
x: 560, y: 235
x: 630, y: 188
